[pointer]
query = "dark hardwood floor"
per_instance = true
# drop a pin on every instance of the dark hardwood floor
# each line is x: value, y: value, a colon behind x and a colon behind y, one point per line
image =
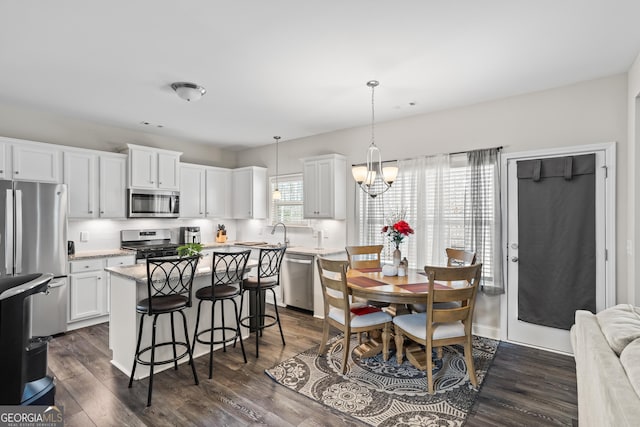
x: 524, y: 386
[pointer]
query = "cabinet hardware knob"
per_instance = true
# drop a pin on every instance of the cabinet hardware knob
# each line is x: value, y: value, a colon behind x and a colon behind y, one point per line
x: 101, y: 212
x: 159, y: 182
x: 16, y: 172
x: 90, y: 212
x: 1, y: 171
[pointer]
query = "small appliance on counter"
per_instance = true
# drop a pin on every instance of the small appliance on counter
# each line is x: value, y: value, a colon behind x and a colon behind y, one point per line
x: 190, y: 235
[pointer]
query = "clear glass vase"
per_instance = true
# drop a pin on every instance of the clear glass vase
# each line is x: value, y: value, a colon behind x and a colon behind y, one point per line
x: 397, y: 256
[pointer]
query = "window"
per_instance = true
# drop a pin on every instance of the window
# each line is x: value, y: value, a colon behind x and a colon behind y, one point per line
x: 289, y: 209
x: 449, y: 202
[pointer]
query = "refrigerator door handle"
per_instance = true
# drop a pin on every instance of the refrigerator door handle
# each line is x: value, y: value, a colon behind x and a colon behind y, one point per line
x: 18, y: 235
x: 8, y: 232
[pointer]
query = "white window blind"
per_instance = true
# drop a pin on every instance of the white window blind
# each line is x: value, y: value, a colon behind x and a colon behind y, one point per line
x: 289, y: 209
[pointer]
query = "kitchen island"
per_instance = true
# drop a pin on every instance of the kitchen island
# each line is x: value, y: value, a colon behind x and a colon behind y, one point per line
x: 128, y: 286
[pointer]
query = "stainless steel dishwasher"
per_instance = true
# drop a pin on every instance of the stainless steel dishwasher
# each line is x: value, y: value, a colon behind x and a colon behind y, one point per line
x: 297, y: 281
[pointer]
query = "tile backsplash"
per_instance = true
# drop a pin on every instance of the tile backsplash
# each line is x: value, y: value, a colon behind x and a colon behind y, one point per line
x: 104, y: 234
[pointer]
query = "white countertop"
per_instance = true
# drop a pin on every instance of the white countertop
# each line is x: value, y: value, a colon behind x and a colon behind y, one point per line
x: 298, y: 250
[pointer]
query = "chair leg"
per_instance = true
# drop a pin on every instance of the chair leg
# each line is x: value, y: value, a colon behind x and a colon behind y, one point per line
x: 224, y: 334
x: 135, y: 356
x: 386, y: 337
x: 238, y: 331
x: 256, y: 319
x: 468, y: 357
x: 153, y: 359
x: 399, y: 344
x: 345, y: 350
x: 173, y: 338
x: 186, y: 338
x: 429, y: 354
x: 440, y: 352
x: 325, y: 337
x: 275, y: 305
x: 213, y: 310
x: 195, y: 335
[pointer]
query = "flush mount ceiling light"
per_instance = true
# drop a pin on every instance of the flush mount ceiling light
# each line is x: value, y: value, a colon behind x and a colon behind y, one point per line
x: 372, y: 177
x: 188, y: 91
x: 276, y: 193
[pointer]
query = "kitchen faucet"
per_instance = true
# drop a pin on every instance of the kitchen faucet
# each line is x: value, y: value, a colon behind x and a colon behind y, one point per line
x: 273, y: 230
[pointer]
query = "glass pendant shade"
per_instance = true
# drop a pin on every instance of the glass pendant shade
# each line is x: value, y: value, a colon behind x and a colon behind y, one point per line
x: 276, y: 194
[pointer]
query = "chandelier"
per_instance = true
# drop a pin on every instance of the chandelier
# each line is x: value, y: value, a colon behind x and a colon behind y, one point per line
x: 372, y: 177
x: 276, y: 195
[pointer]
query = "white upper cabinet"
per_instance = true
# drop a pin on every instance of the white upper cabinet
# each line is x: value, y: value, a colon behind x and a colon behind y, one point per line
x: 324, y: 187
x: 152, y: 168
x: 249, y: 186
x: 81, y: 176
x: 204, y: 192
x: 37, y: 162
x: 192, y: 191
x: 5, y: 160
x: 218, y: 200
x: 113, y: 186
x: 168, y: 170
x: 97, y: 184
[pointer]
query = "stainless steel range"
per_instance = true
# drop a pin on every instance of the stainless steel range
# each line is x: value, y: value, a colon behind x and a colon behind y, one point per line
x: 150, y: 243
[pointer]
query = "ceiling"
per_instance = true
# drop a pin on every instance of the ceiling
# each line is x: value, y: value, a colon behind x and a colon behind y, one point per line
x: 297, y: 67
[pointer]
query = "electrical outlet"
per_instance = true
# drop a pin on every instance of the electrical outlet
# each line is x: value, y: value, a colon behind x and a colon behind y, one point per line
x: 84, y: 236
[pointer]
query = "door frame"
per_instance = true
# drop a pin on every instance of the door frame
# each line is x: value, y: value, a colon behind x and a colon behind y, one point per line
x: 609, y: 149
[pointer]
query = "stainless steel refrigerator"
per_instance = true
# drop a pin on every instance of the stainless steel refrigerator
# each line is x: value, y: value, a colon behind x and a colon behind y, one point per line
x: 33, y: 239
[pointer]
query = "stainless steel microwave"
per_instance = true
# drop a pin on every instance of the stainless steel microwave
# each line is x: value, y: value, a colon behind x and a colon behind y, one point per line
x: 153, y: 204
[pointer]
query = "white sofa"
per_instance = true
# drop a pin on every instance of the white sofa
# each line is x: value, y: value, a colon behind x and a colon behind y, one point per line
x: 606, y: 347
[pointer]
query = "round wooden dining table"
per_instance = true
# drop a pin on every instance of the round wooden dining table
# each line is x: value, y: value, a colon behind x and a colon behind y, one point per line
x: 371, y: 284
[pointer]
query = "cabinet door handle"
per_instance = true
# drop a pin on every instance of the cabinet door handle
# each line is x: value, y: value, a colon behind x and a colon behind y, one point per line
x: 16, y: 172
x: 1, y: 171
x: 159, y: 182
x: 90, y: 212
x: 101, y: 212
x: 151, y: 182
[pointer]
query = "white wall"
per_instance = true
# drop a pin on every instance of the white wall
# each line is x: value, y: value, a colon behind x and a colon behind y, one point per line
x: 633, y: 159
x: 583, y: 113
x: 22, y: 123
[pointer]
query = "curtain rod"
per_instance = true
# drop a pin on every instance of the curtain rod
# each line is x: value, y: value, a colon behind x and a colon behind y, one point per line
x: 431, y: 155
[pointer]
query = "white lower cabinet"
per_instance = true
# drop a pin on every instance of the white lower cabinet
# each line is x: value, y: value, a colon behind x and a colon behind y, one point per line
x: 89, y: 290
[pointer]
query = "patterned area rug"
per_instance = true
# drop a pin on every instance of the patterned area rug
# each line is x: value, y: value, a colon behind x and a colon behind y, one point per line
x: 388, y: 394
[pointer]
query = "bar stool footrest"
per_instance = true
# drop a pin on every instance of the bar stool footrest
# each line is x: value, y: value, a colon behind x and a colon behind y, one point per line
x: 236, y: 334
x: 163, y: 362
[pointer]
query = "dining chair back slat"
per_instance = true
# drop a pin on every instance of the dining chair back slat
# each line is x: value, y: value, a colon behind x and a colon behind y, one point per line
x: 364, y: 256
x: 460, y: 257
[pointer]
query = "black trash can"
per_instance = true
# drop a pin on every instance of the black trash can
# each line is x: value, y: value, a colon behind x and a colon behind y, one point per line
x: 23, y: 360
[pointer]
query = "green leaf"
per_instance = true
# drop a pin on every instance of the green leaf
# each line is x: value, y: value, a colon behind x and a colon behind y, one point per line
x: 189, y: 249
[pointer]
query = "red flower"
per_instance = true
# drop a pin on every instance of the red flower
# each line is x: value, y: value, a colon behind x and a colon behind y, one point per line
x: 403, y: 227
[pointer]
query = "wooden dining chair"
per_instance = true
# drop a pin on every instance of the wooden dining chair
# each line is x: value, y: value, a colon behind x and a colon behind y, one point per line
x: 458, y: 257
x: 364, y: 256
x: 339, y: 313
x: 441, y: 326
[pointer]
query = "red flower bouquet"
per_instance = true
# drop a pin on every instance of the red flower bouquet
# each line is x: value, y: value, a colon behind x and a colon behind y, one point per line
x: 398, y: 229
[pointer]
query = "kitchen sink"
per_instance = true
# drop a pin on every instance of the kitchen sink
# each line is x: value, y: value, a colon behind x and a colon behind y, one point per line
x: 257, y: 244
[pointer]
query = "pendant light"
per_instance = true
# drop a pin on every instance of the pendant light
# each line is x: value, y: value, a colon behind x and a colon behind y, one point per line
x: 372, y: 177
x: 276, y: 193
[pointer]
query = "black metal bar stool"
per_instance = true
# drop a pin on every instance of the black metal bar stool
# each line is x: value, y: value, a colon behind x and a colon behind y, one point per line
x: 227, y: 272
x: 169, y: 284
x: 267, y: 279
